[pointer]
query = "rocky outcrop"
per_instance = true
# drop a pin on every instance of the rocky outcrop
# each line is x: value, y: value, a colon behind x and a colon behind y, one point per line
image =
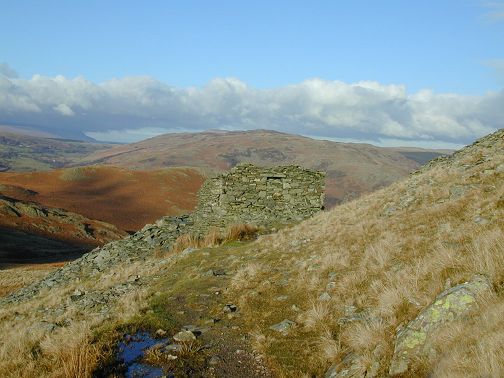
x: 132, y: 248
x: 454, y: 303
x: 55, y: 223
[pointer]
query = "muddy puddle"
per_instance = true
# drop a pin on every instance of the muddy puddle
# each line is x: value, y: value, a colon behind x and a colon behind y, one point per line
x: 131, y: 352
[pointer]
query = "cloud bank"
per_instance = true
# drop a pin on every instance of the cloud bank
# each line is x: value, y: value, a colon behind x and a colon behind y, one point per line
x: 133, y: 108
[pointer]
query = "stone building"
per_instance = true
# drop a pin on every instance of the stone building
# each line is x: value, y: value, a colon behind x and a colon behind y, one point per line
x: 260, y: 196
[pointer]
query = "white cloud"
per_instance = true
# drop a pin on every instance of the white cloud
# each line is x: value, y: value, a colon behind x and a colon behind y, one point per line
x: 64, y: 109
x: 133, y: 108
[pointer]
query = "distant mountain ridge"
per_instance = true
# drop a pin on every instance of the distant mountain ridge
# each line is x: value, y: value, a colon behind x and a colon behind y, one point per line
x: 22, y: 152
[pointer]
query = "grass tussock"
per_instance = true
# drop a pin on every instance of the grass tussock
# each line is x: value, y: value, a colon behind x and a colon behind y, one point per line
x: 214, y: 237
x: 73, y: 351
x: 15, y: 278
x: 241, y: 232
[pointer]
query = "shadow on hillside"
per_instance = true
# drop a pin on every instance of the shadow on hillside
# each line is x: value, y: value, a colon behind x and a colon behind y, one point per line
x: 21, y: 248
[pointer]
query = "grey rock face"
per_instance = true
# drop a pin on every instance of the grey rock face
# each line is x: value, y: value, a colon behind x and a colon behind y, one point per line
x: 451, y: 304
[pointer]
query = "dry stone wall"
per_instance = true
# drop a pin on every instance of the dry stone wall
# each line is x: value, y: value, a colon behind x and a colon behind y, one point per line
x: 261, y: 196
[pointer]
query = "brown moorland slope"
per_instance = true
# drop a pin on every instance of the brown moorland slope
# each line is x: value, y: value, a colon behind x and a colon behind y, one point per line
x: 55, y: 223
x: 352, y: 169
x: 128, y: 199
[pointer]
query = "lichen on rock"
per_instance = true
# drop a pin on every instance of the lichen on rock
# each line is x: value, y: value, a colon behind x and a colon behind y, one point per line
x: 413, y: 340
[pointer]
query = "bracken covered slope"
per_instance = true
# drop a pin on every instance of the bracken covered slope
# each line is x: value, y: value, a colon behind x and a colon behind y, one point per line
x: 128, y: 199
x: 55, y: 223
x: 407, y: 280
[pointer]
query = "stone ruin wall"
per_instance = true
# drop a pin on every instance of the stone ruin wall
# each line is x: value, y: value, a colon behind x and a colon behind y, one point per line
x: 260, y: 196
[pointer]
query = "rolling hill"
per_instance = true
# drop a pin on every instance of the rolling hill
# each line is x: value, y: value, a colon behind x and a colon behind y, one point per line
x: 352, y: 169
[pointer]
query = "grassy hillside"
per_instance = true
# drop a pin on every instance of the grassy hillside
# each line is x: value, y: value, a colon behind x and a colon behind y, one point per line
x: 352, y: 169
x: 128, y: 199
x: 341, y: 284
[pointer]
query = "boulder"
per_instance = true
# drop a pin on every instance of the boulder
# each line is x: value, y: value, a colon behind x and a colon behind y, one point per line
x: 284, y: 326
x: 414, y: 339
x: 184, y: 336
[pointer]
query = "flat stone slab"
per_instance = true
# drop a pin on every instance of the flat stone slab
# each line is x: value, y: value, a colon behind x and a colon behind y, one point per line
x: 284, y: 326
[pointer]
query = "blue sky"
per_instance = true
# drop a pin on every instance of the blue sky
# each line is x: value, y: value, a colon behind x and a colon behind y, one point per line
x: 442, y: 46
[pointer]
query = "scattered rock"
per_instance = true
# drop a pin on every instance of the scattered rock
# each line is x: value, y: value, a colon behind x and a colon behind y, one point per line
x: 284, y: 326
x: 133, y: 278
x: 230, y: 308
x: 352, y: 366
x: 457, y: 191
x: 480, y: 220
x: 76, y: 295
x: 172, y: 348
x: 197, y: 331
x: 160, y: 332
x: 184, y: 336
x: 324, y: 297
x: 214, y: 360
x: 332, y: 276
x: 218, y: 272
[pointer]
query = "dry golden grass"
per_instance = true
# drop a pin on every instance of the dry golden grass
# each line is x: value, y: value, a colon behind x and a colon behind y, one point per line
x: 12, y: 279
x: 241, y: 232
x: 186, y: 241
x: 390, y: 266
x: 214, y: 237
x: 72, y: 351
x: 29, y: 349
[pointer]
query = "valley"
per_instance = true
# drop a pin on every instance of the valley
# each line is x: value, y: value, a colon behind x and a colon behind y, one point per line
x: 25, y: 152
x: 126, y: 198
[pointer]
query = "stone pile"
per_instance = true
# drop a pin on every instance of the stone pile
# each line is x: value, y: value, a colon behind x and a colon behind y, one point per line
x: 260, y: 196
